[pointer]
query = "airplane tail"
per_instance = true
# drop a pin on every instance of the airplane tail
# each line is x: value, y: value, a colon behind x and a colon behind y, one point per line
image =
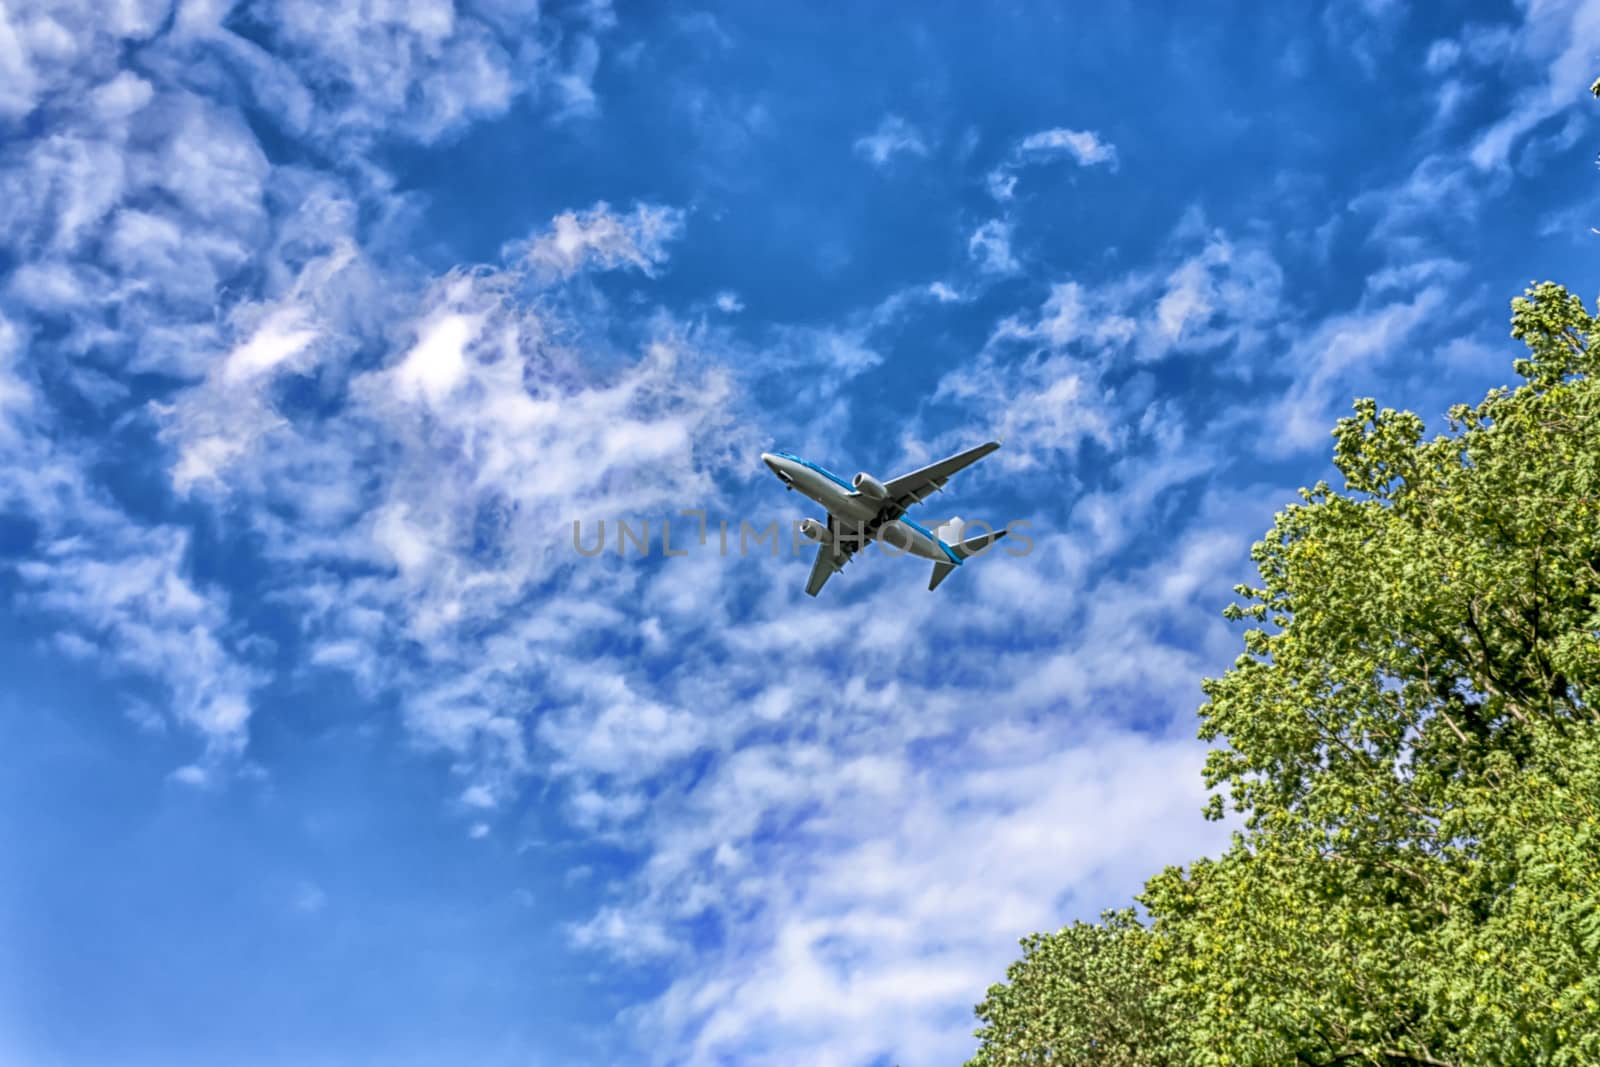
x: 961, y: 550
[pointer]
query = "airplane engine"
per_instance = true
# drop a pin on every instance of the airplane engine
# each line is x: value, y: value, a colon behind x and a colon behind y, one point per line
x: 868, y: 486
x: 814, y: 530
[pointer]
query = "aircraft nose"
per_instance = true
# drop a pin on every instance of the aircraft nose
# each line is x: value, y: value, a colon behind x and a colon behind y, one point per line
x: 776, y: 465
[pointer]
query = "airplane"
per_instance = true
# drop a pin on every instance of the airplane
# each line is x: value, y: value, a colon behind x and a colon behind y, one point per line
x: 865, y: 509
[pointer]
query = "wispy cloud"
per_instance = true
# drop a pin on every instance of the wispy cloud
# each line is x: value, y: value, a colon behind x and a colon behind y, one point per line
x: 871, y: 897
x: 1555, y: 40
x: 1449, y: 181
x: 119, y: 593
x: 142, y: 208
x: 990, y: 247
x: 1083, y: 147
x: 894, y: 136
x: 494, y: 439
x: 601, y: 239
x: 309, y: 898
x: 1363, y: 30
x: 426, y: 69
x: 1047, y: 378
x: 1376, y: 330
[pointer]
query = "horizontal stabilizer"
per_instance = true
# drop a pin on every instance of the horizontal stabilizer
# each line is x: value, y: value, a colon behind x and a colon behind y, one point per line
x: 973, y: 545
x: 940, y: 572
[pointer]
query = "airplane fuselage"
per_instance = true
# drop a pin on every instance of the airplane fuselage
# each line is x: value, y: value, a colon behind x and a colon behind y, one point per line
x: 856, y: 510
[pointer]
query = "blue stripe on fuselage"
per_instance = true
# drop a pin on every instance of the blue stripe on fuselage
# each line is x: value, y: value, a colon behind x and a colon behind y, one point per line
x: 820, y: 470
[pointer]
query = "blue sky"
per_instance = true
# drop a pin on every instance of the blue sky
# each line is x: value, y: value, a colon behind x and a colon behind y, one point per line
x: 318, y: 741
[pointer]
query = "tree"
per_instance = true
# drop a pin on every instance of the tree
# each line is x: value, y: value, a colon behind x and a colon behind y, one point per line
x: 1084, y: 994
x: 1412, y: 741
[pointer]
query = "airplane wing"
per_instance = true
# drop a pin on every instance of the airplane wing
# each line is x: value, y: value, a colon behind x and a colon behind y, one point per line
x: 913, y: 488
x: 822, y: 569
x: 831, y: 557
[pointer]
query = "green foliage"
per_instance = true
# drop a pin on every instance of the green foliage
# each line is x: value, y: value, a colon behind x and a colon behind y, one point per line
x: 1411, y: 740
x: 1081, y: 995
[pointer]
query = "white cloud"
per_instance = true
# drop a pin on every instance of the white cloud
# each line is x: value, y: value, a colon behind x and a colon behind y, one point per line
x: 135, y: 236
x: 600, y: 239
x: 493, y: 437
x: 728, y: 303
x: 622, y: 738
x: 143, y: 201
x: 191, y: 775
x: 476, y: 796
x: 1043, y: 380
x: 880, y: 895
x: 1363, y: 29
x: 1002, y: 183
x: 230, y: 414
x: 1547, y: 55
x: 424, y: 69
x: 1442, y: 55
x: 1055, y: 418
x: 43, y: 47
x: 124, y: 95
x: 279, y: 340
x: 1558, y: 36
x: 309, y: 898
x: 1407, y: 277
x: 1324, y: 358
x: 112, y: 587
x: 122, y: 590
x: 1084, y: 147
x: 18, y: 80
x: 1449, y: 98
x: 16, y: 395
x: 438, y: 361
x: 894, y: 136
x: 575, y: 85
x: 1440, y: 190
x: 1225, y: 292
x: 899, y: 912
x: 990, y: 246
